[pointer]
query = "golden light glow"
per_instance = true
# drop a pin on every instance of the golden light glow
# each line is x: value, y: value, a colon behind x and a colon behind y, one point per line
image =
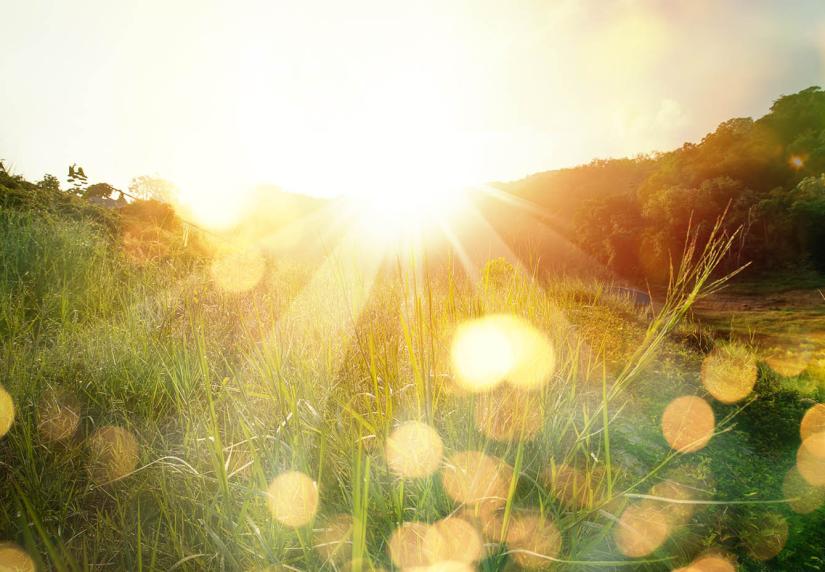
x: 688, y: 423
x: 709, y: 563
x: 810, y: 459
x: 6, y: 411
x: 406, y: 545
x: 804, y: 497
x: 489, y: 350
x: 473, y: 478
x: 58, y: 415
x: 292, y: 498
x: 453, y: 539
x: 508, y: 414
x: 533, y: 541
x: 239, y: 270
x: 113, y: 454
x: 15, y: 559
x: 813, y: 421
x: 729, y: 373
x: 641, y: 529
x: 414, y: 450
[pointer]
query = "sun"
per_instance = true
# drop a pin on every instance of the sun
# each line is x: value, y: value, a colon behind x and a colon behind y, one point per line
x: 401, y: 216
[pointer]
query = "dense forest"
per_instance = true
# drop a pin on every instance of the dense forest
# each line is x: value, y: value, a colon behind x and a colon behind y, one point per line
x: 764, y: 175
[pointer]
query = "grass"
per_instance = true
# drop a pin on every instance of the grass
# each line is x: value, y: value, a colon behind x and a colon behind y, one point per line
x: 306, y: 372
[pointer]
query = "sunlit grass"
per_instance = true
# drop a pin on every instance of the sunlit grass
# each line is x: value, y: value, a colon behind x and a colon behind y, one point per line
x: 323, y: 420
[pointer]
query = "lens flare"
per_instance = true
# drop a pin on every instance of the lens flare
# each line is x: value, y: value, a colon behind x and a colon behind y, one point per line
x: 805, y: 498
x: 6, y: 411
x: 58, y: 416
x: 810, y: 459
x: 729, y: 373
x: 407, y: 543
x: 813, y: 421
x: 15, y: 559
x: 113, y: 454
x: 334, y: 539
x: 709, y: 563
x: 509, y: 414
x: 453, y: 539
x: 239, y: 271
x: 473, y: 478
x: 688, y: 423
x: 414, y: 450
x: 292, y: 498
x: 532, y: 540
x: 641, y: 529
x: 489, y: 350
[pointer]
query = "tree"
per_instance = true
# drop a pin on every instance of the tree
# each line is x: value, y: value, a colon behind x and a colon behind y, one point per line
x: 99, y: 190
x: 153, y: 188
x: 808, y: 212
x: 49, y: 183
x: 77, y: 178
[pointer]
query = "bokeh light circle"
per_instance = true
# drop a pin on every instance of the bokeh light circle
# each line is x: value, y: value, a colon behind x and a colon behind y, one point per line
x: 803, y: 497
x: 688, y: 423
x: 569, y: 485
x: 508, y: 414
x: 810, y: 459
x: 406, y: 545
x: 501, y: 347
x: 113, y: 454
x: 15, y: 559
x: 414, y: 450
x: 6, y: 411
x: 767, y: 535
x: 453, y: 539
x: 709, y: 563
x: 642, y: 528
x: 58, y: 416
x: 293, y: 499
x: 333, y: 540
x: 729, y: 373
x: 482, y: 354
x: 813, y: 421
x: 533, y: 541
x: 473, y: 478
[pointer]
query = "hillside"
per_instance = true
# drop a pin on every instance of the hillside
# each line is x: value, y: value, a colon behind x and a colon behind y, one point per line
x: 766, y: 174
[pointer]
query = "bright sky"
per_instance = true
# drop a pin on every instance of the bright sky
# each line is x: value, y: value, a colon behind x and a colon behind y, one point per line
x: 329, y: 97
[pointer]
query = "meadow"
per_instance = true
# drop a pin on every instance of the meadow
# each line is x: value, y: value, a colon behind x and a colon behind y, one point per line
x: 243, y: 412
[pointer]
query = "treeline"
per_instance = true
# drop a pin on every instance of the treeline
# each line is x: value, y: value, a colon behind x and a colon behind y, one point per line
x: 765, y: 176
x: 146, y: 227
